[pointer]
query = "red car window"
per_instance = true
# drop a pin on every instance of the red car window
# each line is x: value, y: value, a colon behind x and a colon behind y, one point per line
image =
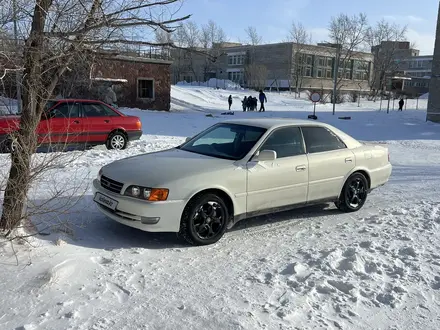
x: 66, y: 110
x: 98, y: 110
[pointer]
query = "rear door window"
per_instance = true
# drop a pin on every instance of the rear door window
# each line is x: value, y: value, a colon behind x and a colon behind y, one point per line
x: 321, y: 139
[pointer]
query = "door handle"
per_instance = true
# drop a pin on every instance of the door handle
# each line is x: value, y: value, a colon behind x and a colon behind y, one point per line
x: 76, y: 121
x: 300, y: 168
x: 106, y: 121
x: 348, y: 160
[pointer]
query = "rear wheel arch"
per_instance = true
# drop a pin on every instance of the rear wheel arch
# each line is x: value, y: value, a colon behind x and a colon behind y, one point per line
x: 354, y: 192
x: 119, y: 130
x: 364, y: 172
x: 113, y: 133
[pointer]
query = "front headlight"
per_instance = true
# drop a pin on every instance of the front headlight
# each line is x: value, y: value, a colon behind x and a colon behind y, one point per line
x: 148, y: 194
x: 99, y: 175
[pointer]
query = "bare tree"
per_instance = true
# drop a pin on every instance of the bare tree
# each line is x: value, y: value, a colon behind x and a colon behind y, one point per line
x: 188, y: 35
x: 383, y: 41
x: 58, y: 32
x: 299, y: 37
x: 253, y: 38
x: 348, y: 34
x: 256, y: 76
x: 211, y: 34
x: 211, y: 37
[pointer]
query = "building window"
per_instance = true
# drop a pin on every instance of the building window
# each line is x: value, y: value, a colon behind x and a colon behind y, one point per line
x: 324, y: 67
x: 145, y: 89
x: 236, y: 59
x: 344, y: 70
x: 361, y: 70
x: 329, y: 73
x: 236, y: 76
x: 308, y: 71
x: 319, y: 73
x: 307, y: 62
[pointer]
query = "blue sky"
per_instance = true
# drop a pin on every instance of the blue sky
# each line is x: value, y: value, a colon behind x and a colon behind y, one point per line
x: 273, y: 18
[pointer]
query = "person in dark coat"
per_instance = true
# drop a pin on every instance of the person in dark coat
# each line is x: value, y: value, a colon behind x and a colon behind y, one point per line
x: 263, y: 99
x: 401, y: 103
x: 244, y: 103
x: 230, y: 101
x: 249, y: 103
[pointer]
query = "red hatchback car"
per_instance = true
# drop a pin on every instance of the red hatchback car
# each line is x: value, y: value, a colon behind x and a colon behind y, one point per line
x: 77, y: 122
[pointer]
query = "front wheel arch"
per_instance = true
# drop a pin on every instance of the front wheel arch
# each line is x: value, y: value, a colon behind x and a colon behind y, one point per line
x: 214, y: 224
x: 219, y: 192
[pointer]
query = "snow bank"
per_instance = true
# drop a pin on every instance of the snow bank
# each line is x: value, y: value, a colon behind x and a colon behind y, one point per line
x: 311, y: 268
x: 213, y: 83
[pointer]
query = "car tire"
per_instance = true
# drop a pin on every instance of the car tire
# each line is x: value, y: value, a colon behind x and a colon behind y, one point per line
x: 204, y: 220
x: 354, y: 193
x: 8, y: 146
x: 117, y: 141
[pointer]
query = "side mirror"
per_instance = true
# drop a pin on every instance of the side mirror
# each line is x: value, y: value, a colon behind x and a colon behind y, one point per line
x: 187, y: 139
x: 266, y: 155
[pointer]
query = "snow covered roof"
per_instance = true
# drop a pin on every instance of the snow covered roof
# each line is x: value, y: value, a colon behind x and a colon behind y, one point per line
x: 110, y: 79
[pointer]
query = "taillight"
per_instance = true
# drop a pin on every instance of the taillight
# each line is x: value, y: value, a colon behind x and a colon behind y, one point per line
x: 388, y: 157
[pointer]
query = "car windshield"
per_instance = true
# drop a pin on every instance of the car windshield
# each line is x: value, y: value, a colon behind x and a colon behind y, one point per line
x: 227, y: 141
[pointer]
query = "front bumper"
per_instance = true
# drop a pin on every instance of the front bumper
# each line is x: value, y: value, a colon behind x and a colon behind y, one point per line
x: 146, y: 216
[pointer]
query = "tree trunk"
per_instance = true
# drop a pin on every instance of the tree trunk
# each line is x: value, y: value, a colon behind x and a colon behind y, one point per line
x: 26, y: 138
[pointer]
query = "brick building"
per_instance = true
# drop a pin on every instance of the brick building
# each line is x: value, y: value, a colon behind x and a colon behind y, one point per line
x: 139, y: 82
x: 141, y: 79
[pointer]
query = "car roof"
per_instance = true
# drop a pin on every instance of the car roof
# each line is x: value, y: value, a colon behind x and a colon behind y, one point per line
x: 273, y: 123
x: 269, y: 123
x: 74, y: 100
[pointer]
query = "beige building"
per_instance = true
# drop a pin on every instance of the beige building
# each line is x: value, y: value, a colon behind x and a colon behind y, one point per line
x: 280, y: 65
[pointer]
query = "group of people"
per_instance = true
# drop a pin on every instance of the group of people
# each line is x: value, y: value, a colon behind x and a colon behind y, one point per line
x: 250, y: 103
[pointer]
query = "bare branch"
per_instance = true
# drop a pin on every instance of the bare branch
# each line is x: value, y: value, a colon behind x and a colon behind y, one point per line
x: 253, y: 37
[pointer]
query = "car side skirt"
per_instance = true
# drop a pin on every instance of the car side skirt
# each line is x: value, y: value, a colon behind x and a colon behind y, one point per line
x: 291, y: 207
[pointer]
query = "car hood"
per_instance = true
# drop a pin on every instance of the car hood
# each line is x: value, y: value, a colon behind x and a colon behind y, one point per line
x: 158, y: 168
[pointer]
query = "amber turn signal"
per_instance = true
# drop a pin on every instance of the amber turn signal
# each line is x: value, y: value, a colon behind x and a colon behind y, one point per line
x: 158, y: 195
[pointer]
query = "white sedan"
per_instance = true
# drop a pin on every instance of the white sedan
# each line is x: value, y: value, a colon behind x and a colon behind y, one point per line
x: 239, y: 169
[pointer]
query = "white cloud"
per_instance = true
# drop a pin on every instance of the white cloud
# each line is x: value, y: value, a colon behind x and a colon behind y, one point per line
x: 319, y: 34
x: 423, y: 42
x: 404, y: 19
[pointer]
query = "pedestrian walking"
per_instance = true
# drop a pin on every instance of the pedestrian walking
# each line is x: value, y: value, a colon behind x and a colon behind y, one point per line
x: 263, y: 99
x: 401, y: 104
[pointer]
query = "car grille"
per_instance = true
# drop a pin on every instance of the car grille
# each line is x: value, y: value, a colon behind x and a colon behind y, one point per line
x: 112, y: 185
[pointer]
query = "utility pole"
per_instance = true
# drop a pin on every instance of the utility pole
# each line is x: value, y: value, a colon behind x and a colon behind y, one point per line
x: 17, y: 72
x: 335, y: 76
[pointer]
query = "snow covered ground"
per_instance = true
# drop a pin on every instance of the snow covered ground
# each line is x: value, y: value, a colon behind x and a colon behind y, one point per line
x: 309, y: 269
